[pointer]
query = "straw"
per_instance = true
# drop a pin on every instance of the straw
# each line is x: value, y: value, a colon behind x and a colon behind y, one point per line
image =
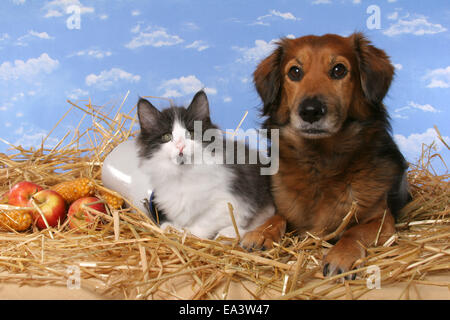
x: 129, y: 257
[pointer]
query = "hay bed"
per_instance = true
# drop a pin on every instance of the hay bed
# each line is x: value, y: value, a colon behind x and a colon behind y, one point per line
x: 130, y: 257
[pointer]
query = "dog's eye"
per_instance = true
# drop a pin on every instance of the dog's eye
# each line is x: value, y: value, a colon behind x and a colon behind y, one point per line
x: 295, y: 73
x: 338, y: 71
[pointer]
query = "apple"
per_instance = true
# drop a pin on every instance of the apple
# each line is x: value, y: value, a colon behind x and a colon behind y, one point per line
x: 80, y: 216
x: 21, y: 193
x: 52, y: 205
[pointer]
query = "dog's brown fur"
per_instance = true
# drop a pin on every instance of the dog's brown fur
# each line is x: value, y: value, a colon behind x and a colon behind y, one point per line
x: 352, y: 160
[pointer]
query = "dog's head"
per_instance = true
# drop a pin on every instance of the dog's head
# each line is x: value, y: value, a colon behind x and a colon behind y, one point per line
x: 315, y: 83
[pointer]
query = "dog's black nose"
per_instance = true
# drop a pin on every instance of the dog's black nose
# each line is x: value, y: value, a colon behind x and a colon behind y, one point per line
x: 312, y: 109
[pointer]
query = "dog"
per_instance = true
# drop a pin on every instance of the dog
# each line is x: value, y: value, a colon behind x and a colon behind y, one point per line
x: 336, y: 153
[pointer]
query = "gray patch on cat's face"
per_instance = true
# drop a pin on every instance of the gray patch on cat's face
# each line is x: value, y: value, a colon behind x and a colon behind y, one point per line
x: 154, y: 124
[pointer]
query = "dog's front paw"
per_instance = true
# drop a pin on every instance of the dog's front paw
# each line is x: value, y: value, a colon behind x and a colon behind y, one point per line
x: 257, y: 240
x: 260, y: 240
x: 264, y: 236
x: 341, y: 258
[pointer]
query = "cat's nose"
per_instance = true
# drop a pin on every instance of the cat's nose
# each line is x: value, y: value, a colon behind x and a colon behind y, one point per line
x: 180, y: 146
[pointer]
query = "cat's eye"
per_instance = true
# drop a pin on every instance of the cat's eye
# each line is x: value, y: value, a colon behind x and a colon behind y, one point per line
x: 190, y: 134
x: 166, y: 138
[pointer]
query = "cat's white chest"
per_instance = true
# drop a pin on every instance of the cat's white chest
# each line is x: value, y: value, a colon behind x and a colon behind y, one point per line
x: 193, y: 193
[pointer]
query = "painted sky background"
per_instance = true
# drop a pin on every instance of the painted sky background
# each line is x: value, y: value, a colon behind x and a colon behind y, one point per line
x: 174, y: 48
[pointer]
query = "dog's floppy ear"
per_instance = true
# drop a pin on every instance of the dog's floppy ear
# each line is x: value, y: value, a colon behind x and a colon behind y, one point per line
x: 267, y: 79
x: 376, y: 70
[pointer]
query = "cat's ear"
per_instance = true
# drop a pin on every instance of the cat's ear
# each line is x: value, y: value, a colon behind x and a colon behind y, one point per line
x: 148, y: 115
x: 199, y: 107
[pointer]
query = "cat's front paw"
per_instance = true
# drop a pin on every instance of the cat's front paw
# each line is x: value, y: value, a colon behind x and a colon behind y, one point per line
x: 166, y: 227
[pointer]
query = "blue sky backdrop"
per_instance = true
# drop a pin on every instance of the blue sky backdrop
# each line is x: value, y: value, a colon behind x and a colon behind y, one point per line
x: 174, y: 48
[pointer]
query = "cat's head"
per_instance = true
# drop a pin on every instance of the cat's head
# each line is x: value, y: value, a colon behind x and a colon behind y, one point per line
x: 168, y: 135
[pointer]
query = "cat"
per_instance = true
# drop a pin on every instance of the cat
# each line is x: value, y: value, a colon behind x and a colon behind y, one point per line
x: 193, y: 194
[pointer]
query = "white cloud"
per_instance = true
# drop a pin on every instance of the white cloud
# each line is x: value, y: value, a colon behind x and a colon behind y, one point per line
x: 8, y: 103
x: 108, y: 78
x: 136, y: 28
x: 417, y: 26
x: 18, y: 96
x: 413, y: 105
x: 285, y: 16
x: 27, y: 69
x: 321, y: 2
x: 53, y: 14
x: 398, y: 66
x: 399, y: 116
x: 94, y: 53
x: 411, y: 146
x: 4, y: 36
x: 438, y: 78
x: 256, y: 53
x: 5, y: 105
x: 423, y: 107
x: 58, y: 8
x: 178, y: 87
x: 22, y: 41
x: 33, y: 137
x: 135, y: 13
x: 227, y: 99
x: 76, y: 94
x: 103, y: 16
x: 19, y: 130
x: 191, y: 26
x: 261, y: 20
x: 402, y: 109
x: 199, y: 45
x: 41, y: 35
x: 155, y: 38
x: 393, y: 16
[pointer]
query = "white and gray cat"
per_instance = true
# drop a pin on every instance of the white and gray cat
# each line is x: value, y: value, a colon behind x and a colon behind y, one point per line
x: 192, y: 194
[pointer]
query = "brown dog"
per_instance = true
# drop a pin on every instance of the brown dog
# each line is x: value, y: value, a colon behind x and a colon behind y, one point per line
x: 325, y: 96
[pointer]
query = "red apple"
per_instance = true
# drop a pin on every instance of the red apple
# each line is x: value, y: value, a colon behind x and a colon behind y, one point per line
x: 52, y: 205
x: 20, y: 194
x: 80, y: 216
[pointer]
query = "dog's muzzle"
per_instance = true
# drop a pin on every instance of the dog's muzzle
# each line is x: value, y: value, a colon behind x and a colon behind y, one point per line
x: 312, y: 110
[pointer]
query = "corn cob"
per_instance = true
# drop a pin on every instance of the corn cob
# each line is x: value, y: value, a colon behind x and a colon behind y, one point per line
x: 4, y: 198
x: 19, y: 220
x: 75, y: 189
x: 113, y: 201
